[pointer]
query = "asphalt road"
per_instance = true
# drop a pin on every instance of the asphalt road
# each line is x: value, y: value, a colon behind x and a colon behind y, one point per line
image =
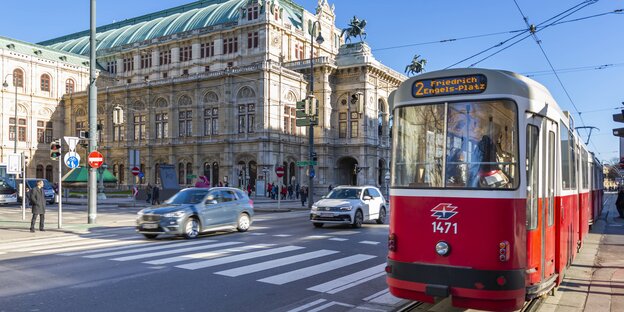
x: 282, y: 264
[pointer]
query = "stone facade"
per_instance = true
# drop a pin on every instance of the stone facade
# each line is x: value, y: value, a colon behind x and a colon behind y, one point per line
x: 43, y: 77
x: 230, y: 115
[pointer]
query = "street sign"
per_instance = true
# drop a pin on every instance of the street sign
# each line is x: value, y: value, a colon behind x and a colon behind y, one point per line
x: 71, y: 160
x: 15, y: 164
x: 141, y: 175
x: 72, y: 142
x: 279, y: 171
x: 95, y: 159
x: 135, y: 171
x: 306, y: 163
x: 312, y: 174
x: 306, y: 122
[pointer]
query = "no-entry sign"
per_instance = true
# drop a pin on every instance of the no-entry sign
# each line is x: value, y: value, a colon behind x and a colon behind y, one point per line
x: 279, y: 171
x: 95, y: 159
x: 135, y: 171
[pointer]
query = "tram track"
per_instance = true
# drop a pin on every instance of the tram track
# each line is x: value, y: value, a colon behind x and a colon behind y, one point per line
x: 413, y: 306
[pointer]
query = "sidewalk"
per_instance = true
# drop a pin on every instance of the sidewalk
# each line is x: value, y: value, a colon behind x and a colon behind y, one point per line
x: 595, y: 280
x: 112, y: 212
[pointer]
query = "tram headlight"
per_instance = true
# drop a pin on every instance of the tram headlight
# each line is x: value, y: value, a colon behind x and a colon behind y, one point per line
x: 442, y: 248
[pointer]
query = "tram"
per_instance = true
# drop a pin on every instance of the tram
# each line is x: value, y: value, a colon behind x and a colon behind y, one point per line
x: 492, y: 191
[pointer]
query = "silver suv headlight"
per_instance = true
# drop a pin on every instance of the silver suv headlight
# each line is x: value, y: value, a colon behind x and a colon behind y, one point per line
x: 346, y: 208
x: 175, y: 214
x: 314, y: 207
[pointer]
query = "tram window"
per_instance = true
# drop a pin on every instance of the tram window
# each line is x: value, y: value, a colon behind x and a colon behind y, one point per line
x: 532, y: 141
x: 585, y: 169
x: 565, y: 158
x: 480, y: 151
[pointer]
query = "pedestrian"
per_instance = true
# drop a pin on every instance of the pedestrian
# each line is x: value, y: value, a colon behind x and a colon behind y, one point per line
x: 303, y: 194
x: 284, y: 191
x: 290, y: 191
x: 249, y: 189
x: 297, y: 191
x: 269, y: 189
x: 155, y: 195
x: 149, y: 193
x: 619, y: 202
x: 330, y: 187
x: 38, y: 202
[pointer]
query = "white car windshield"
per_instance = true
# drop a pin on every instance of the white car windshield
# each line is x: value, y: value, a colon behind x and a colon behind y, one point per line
x: 344, y: 193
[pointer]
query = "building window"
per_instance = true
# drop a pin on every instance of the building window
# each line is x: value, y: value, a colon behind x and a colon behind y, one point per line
x: 139, y: 127
x: 45, y: 83
x: 299, y: 51
x: 211, y: 121
x: 354, y: 125
x: 18, y: 78
x: 165, y: 57
x: 112, y: 67
x: 11, y: 129
x: 206, y: 49
x: 290, y: 120
x: 146, y: 60
x: 186, y: 53
x: 252, y: 13
x: 185, y: 122
x: 80, y: 126
x: 246, y: 118
x: 119, y: 133
x: 230, y: 45
x: 48, y: 132
x: 207, y: 68
x: 189, y: 173
x: 40, y: 132
x: 164, y: 75
x: 69, y: 86
x: 100, y: 130
x: 128, y: 64
x: 252, y: 40
x: 162, y: 125
x: 185, y: 72
x: 39, y: 172
x: 342, y: 129
x: 21, y: 130
x: 181, y: 173
x: 48, y: 173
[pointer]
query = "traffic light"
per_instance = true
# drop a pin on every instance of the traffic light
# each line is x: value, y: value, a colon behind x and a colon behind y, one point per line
x: 55, y: 149
x: 314, y: 156
x: 301, y: 109
x: 619, y: 132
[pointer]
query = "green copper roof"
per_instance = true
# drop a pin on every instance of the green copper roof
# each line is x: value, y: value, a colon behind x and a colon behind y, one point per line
x: 42, y: 52
x: 195, y: 15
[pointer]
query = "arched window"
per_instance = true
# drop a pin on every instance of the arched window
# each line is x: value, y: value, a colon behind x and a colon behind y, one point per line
x: 48, y: 173
x: 18, y: 78
x: 181, y: 173
x: 380, y: 117
x: 207, y: 170
x: 39, y: 172
x: 115, y: 171
x: 189, y: 173
x: 69, y: 86
x: 122, y: 174
x: 253, y: 173
x: 45, y: 83
x: 215, y: 173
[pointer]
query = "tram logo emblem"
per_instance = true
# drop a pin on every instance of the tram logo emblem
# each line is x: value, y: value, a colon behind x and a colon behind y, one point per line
x: 444, y: 211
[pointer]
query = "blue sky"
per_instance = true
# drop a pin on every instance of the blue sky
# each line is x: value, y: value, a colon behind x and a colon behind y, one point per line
x: 397, y: 28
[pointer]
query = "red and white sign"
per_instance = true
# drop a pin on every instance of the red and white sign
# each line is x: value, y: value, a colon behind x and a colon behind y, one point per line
x: 279, y: 171
x: 135, y: 171
x: 95, y: 159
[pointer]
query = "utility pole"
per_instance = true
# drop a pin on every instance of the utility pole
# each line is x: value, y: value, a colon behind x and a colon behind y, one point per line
x: 92, y: 185
x: 312, y: 113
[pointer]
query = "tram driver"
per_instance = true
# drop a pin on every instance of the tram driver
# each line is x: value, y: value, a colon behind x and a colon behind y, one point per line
x: 485, y: 171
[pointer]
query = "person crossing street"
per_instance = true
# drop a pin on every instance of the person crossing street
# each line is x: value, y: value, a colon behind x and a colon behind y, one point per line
x: 38, y: 202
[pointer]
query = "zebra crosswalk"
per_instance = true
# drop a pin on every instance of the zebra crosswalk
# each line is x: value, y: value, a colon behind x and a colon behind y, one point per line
x: 270, y: 263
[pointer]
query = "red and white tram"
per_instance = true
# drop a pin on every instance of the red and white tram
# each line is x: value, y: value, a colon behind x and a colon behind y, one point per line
x: 492, y: 191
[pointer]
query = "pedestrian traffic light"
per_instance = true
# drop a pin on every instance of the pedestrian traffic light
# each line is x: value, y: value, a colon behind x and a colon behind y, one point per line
x: 55, y: 149
x: 314, y: 156
x: 619, y: 132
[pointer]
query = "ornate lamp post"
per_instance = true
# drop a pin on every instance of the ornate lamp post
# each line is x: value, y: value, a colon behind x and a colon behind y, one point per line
x: 320, y: 41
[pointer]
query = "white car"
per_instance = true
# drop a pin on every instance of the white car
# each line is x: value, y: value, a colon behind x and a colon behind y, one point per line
x: 349, y: 205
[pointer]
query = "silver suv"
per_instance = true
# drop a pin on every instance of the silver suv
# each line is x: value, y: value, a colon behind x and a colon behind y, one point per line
x: 349, y: 205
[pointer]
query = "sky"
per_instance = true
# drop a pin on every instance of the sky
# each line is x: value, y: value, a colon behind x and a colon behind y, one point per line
x: 587, y: 54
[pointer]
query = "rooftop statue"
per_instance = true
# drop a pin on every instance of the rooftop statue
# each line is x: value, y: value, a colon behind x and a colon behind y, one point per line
x: 355, y: 29
x: 417, y: 66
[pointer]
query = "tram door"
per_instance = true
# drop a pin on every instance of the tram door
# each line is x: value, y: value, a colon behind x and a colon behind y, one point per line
x: 549, y: 150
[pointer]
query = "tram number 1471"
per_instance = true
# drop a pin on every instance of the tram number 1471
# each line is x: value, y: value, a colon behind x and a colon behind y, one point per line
x: 444, y: 227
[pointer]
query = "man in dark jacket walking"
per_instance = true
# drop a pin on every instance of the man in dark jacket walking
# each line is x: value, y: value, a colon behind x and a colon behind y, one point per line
x: 156, y: 195
x: 38, y: 201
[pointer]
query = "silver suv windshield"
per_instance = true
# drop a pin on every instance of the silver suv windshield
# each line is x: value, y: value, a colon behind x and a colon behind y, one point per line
x: 194, y: 196
x: 344, y: 193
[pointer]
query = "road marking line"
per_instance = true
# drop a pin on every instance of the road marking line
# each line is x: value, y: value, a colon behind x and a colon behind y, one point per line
x: 316, y: 237
x: 174, y: 251
x: 338, y: 239
x: 344, y: 233
x: 230, y: 259
x: 283, y: 235
x: 315, y: 269
x: 72, y: 242
x: 94, y: 245
x: 329, y: 304
x: 351, y: 280
x: 262, y: 266
x: 383, y: 297
x: 45, y: 241
x: 207, y: 255
x: 369, y: 243
x: 257, y: 234
x: 145, y: 242
x: 309, y: 305
x: 125, y: 252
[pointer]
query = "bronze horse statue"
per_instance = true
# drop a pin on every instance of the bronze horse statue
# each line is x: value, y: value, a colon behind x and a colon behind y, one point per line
x: 416, y: 67
x: 355, y: 29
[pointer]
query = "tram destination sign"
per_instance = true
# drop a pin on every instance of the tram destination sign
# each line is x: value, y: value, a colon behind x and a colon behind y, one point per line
x: 468, y: 84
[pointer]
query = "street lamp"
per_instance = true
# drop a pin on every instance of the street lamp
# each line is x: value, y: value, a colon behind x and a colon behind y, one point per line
x: 6, y: 85
x: 101, y: 171
x: 320, y: 41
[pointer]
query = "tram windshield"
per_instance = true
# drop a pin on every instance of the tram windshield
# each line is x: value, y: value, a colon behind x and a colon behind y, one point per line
x: 471, y: 145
